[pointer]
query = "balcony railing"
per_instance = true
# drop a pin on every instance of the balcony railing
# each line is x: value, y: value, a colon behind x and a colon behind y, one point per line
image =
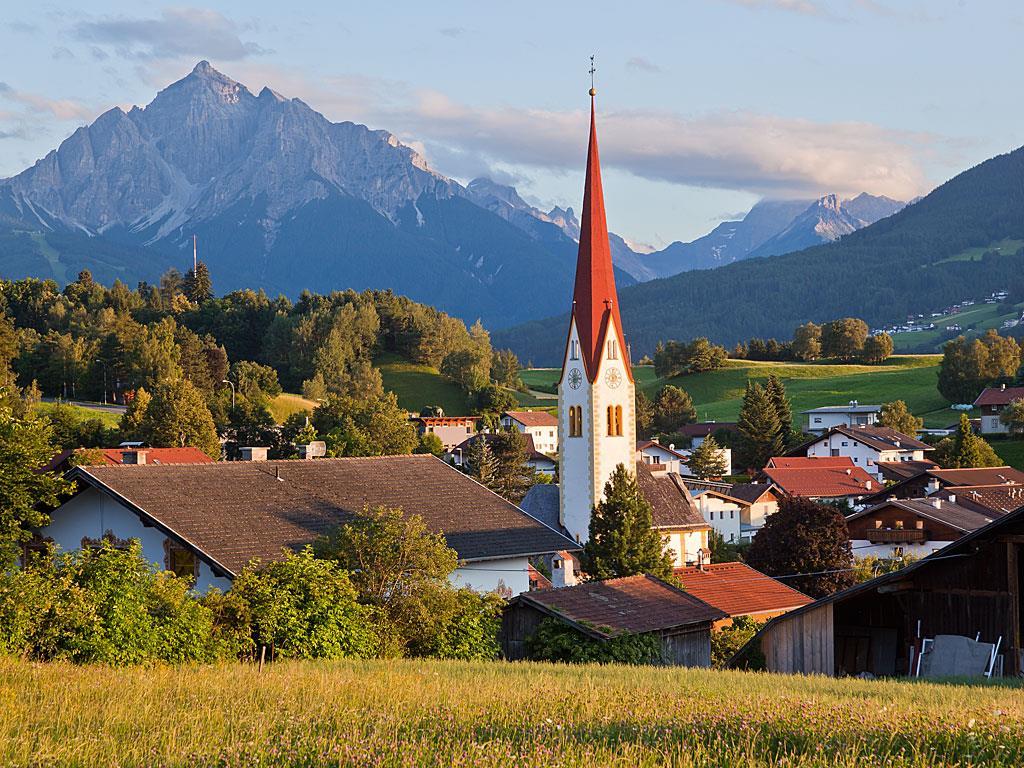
x: 896, y: 535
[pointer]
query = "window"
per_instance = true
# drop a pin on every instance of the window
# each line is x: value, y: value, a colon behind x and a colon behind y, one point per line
x: 180, y: 561
x: 615, y: 421
x: 109, y: 538
x: 817, y: 419
x: 575, y: 420
x: 613, y: 352
x: 611, y: 421
x: 469, y: 430
x: 618, y: 420
x: 732, y: 514
x: 845, y: 443
x: 574, y: 350
x: 835, y: 451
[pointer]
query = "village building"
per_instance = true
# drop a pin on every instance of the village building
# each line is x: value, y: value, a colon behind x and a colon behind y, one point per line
x: 539, y: 425
x: 539, y: 462
x: 819, y: 478
x: 66, y: 459
x: 854, y: 414
x: 991, y: 402
x: 208, y: 521
x: 970, y: 591
x: 451, y: 430
x: 762, y: 501
x: 660, y: 457
x: 739, y: 590
x: 603, y: 610
x: 699, y: 432
x: 912, y: 527
x: 995, y: 500
x: 675, y: 516
x: 723, y: 513
x: 867, y: 446
x: 933, y: 479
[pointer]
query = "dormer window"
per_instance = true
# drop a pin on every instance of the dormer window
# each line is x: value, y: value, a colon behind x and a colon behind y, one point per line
x: 574, y: 350
x: 613, y: 351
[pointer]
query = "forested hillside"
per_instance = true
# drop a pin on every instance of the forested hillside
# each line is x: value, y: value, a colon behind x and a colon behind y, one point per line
x: 913, y: 261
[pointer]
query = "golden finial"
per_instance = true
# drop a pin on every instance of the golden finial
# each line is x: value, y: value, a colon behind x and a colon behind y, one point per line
x: 593, y: 90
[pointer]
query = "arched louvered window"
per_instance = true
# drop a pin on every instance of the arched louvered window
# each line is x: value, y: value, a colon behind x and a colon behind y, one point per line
x: 618, y: 420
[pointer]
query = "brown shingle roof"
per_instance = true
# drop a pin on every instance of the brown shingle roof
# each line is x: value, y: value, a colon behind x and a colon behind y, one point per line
x: 705, y: 428
x: 880, y: 438
x: 533, y: 418
x: 739, y: 590
x: 1000, y: 499
x: 997, y: 396
x: 901, y: 470
x: 970, y: 476
x: 236, y: 511
x: 750, y: 492
x: 948, y: 513
x: 627, y: 606
x: 670, y: 500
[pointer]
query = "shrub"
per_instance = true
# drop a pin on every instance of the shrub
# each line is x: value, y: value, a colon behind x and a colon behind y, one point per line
x: 725, y: 642
x: 556, y: 641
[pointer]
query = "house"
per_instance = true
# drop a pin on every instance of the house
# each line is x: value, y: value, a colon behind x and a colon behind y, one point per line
x: 897, y: 471
x: 64, y: 460
x: 970, y: 589
x: 917, y: 527
x: 995, y: 500
x: 723, y: 512
x: 821, y: 419
x: 674, y: 514
x: 452, y: 430
x: 701, y: 430
x: 539, y: 462
x: 932, y: 480
x: 819, y: 478
x: 739, y: 590
x: 603, y: 610
x: 991, y: 402
x: 867, y: 446
x: 209, y: 520
x: 540, y: 425
x: 661, y: 457
x: 762, y: 501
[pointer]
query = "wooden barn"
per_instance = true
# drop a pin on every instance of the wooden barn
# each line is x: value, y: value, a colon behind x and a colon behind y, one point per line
x: 603, y: 610
x: 971, y: 588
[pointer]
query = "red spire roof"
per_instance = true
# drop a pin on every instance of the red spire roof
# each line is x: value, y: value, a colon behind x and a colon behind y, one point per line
x: 595, y: 302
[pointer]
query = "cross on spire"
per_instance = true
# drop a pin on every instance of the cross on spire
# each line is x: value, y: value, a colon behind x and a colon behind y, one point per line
x: 593, y: 69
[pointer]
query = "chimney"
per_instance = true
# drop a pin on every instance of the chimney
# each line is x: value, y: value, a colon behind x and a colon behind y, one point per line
x: 252, y: 453
x: 932, y: 487
x: 136, y: 456
x: 1002, y: 387
x: 867, y: 485
x: 314, y: 450
x: 563, y: 570
x: 937, y: 503
x: 952, y: 498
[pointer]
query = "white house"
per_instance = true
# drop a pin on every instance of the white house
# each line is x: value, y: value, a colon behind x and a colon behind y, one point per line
x: 209, y: 520
x: 854, y: 414
x: 722, y: 512
x: 451, y: 430
x: 867, y: 447
x: 658, y: 457
x: 540, y: 425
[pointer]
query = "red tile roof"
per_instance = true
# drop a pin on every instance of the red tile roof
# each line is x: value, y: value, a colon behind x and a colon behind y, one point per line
x: 534, y: 418
x: 739, y: 590
x: 997, y: 396
x: 825, y: 479
x: 113, y: 456
x: 810, y: 462
x: 595, y: 304
x: 627, y: 606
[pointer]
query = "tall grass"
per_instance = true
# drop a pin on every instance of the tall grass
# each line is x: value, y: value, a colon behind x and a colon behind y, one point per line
x: 409, y: 713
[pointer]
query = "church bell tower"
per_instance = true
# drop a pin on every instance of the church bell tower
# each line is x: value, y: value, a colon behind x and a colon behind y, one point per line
x: 596, y: 405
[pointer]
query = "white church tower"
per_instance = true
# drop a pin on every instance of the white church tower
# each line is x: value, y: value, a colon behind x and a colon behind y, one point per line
x: 596, y: 404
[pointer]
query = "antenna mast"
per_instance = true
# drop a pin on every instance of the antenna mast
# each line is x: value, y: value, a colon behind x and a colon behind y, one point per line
x: 195, y: 259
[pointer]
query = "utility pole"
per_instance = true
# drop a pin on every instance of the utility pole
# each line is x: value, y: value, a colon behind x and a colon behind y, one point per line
x: 195, y: 257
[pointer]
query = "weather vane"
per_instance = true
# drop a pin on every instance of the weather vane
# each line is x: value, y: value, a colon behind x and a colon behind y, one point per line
x: 592, y: 71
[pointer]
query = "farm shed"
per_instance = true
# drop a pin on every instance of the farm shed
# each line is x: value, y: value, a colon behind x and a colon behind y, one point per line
x: 970, y: 588
x: 604, y: 610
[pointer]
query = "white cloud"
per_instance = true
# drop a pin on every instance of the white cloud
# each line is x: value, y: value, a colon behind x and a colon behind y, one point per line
x: 62, y: 109
x: 642, y: 64
x: 176, y: 33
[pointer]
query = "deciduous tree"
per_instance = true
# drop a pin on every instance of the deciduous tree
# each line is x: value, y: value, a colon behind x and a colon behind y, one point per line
x: 896, y: 415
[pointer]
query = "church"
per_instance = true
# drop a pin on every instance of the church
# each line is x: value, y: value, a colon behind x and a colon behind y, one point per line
x: 596, y: 401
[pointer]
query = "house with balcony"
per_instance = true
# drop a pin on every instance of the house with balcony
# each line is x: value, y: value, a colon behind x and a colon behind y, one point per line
x: 451, y: 430
x: 869, y: 447
x: 915, y: 527
x: 822, y: 419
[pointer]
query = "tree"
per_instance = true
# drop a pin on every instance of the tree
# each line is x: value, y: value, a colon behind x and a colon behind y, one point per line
x: 513, y: 475
x: 131, y: 419
x: 673, y: 409
x: 896, y: 415
x: 776, y: 392
x: 377, y: 427
x: 479, y: 461
x: 505, y: 368
x: 877, y: 348
x: 644, y: 414
x: 707, y: 461
x: 1013, y: 417
x: 844, y: 339
x: 807, y: 342
x: 26, y: 444
x: 969, y: 366
x: 965, y: 449
x: 493, y: 399
x: 255, y: 381
x: 197, y: 285
x: 759, y: 432
x: 622, y: 541
x: 177, y: 416
x: 430, y: 443
x: 806, y: 543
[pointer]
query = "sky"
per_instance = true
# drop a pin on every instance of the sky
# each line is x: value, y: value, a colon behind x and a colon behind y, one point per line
x: 704, y: 106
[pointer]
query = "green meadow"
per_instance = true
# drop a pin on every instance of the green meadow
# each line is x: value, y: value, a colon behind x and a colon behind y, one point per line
x: 436, y: 713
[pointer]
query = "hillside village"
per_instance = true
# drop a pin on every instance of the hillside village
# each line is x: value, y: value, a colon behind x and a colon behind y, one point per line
x: 600, y: 520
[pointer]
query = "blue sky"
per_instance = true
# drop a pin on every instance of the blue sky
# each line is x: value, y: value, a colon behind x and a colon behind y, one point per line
x: 705, y: 106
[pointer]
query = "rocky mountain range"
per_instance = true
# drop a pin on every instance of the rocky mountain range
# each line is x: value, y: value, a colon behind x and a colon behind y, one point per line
x: 280, y: 198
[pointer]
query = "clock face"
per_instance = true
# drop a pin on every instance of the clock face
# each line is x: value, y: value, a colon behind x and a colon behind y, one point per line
x: 613, y: 378
x: 575, y: 378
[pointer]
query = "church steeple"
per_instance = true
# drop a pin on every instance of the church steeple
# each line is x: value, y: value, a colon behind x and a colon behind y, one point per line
x: 595, y: 306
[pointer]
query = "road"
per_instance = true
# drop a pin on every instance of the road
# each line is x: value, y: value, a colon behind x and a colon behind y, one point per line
x: 108, y: 408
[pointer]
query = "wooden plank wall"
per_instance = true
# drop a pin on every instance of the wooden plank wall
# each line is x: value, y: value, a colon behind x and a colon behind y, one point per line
x: 688, y: 648
x: 802, y: 644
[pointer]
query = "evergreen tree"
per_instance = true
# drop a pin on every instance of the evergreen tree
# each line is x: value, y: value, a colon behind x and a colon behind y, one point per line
x: 966, y: 449
x: 644, y: 414
x: 673, y: 409
x: 479, y: 462
x: 622, y: 541
x: 197, y: 285
x: 783, y: 410
x: 707, y: 461
x: 513, y: 476
x: 896, y: 415
x: 805, y: 538
x: 758, y: 429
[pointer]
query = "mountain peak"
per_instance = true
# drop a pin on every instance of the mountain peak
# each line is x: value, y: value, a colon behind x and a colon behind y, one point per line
x: 205, y: 69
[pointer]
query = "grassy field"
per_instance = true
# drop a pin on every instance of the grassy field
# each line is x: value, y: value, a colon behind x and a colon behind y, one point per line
x: 83, y: 412
x: 974, y: 322
x: 1007, y: 246
x: 1010, y: 451
x: 420, y: 385
x: 419, y: 713
x: 717, y: 394
x: 285, y: 404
